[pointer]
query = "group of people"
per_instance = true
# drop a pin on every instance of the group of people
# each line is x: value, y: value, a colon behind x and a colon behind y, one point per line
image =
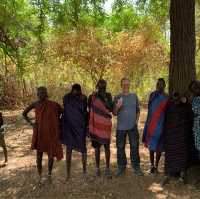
x: 81, y: 117
x: 172, y: 126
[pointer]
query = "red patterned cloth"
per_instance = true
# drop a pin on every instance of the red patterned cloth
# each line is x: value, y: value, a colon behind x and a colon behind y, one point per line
x: 100, y: 122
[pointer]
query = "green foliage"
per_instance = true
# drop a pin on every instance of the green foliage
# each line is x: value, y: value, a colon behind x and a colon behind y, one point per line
x: 58, y: 42
x: 16, y: 24
x: 158, y: 10
x: 124, y: 19
x: 73, y: 14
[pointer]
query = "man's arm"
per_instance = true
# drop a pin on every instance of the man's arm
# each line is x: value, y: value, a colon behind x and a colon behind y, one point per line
x: 115, y: 108
x: 137, y: 110
x: 89, y: 102
x: 85, y: 103
x: 1, y: 120
x: 117, y: 105
x: 27, y: 110
x: 60, y: 110
x: 110, y: 102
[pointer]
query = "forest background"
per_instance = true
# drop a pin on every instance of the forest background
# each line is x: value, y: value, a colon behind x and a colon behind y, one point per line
x: 56, y: 43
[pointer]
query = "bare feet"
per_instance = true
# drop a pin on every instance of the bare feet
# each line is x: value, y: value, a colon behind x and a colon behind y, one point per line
x: 84, y: 176
x: 97, y: 172
x: 165, y: 181
x: 108, y: 174
x: 40, y: 181
x: 67, y: 178
x: 49, y: 179
x: 3, y: 164
x: 154, y: 171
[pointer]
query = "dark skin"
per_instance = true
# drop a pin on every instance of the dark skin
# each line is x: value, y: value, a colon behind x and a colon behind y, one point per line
x: 69, y: 157
x: 42, y: 96
x: 4, y: 146
x: 196, y: 89
x: 160, y: 86
x: 107, y: 155
x: 193, y: 90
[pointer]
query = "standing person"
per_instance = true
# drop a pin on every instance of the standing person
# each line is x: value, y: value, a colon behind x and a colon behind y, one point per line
x: 193, y: 152
x: 46, y: 130
x: 196, y: 111
x: 153, y: 130
x: 100, y: 123
x: 178, y: 129
x: 128, y: 111
x: 2, y: 141
x: 74, y: 126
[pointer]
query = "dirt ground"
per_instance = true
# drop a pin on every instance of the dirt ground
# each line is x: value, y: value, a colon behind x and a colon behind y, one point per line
x: 19, y: 179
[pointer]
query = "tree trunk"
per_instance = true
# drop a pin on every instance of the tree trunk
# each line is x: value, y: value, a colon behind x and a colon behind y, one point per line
x: 182, y: 55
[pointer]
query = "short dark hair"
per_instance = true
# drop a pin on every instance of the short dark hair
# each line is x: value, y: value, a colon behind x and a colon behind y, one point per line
x: 42, y: 89
x: 161, y: 80
x: 42, y: 92
x: 191, y: 84
x: 101, y: 84
x: 77, y: 88
x: 176, y: 94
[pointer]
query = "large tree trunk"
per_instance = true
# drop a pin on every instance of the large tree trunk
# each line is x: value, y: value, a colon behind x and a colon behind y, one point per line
x: 182, y: 56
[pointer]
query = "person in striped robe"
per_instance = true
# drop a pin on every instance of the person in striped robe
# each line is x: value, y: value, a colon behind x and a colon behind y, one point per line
x: 177, y: 133
x: 100, y: 123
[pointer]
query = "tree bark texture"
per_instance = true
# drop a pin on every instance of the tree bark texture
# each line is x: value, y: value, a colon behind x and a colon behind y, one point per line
x: 182, y: 55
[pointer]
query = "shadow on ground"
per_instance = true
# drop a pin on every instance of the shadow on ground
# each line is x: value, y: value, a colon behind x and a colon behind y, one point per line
x: 19, y: 179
